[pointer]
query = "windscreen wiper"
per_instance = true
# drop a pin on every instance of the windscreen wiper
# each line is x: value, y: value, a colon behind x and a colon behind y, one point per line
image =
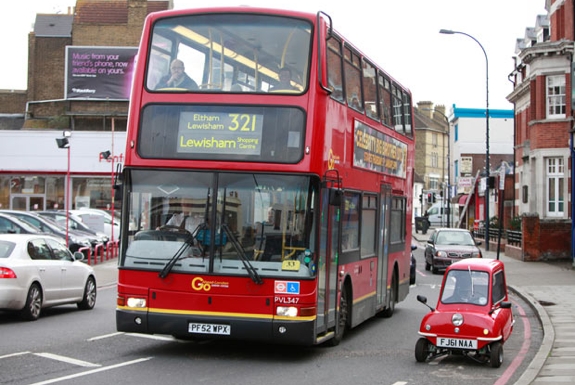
x: 243, y: 257
x: 188, y: 242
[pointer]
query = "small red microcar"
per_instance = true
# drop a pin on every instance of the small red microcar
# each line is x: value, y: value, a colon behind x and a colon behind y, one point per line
x: 473, y: 317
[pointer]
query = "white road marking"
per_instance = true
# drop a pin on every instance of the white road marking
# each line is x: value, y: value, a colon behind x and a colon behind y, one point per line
x: 102, y: 369
x: 152, y: 337
x: 67, y: 360
x: 14, y: 355
x: 105, y: 336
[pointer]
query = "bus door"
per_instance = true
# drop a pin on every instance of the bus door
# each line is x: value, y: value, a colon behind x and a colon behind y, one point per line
x: 383, y: 241
x: 327, y: 263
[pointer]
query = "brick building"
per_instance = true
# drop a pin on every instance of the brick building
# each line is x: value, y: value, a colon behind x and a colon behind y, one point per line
x: 543, y: 124
x: 33, y: 171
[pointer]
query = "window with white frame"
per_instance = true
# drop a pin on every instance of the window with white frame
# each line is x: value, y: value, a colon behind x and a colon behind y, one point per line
x: 434, y: 159
x: 556, y: 96
x: 555, y: 187
x: 433, y: 183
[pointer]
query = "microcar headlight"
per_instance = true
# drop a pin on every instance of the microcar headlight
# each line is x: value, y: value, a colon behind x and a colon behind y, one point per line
x: 286, y: 311
x: 457, y: 319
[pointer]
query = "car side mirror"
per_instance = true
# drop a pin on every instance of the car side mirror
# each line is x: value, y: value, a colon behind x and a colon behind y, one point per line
x: 78, y: 256
x: 506, y: 305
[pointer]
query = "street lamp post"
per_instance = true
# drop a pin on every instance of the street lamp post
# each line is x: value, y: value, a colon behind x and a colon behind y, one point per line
x: 107, y: 155
x: 65, y: 143
x: 572, y: 148
x: 450, y: 32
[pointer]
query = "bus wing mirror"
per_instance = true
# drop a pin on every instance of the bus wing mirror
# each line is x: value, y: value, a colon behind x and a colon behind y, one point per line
x: 118, y: 190
x: 335, y: 197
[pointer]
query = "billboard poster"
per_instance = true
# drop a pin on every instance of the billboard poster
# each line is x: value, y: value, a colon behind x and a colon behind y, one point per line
x: 99, y: 72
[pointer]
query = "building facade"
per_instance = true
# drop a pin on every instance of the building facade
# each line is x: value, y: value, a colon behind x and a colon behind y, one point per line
x: 542, y: 96
x: 34, y: 173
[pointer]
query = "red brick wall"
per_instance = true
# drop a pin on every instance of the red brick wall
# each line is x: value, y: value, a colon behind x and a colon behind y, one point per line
x: 545, y: 240
x: 13, y: 102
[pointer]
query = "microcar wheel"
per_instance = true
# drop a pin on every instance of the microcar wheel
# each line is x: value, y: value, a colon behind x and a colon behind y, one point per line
x: 89, y: 299
x: 421, y: 350
x: 496, y: 354
x: 33, y: 306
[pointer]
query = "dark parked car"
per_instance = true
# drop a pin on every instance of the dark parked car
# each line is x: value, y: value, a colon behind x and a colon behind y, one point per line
x: 10, y: 224
x: 74, y: 222
x: 449, y: 245
x: 76, y: 239
x: 412, y: 266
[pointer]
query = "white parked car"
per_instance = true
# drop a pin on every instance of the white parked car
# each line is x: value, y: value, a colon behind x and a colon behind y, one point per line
x: 99, y: 220
x: 38, y: 271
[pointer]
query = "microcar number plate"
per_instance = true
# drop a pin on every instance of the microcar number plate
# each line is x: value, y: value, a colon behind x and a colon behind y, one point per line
x: 209, y: 328
x: 456, y: 343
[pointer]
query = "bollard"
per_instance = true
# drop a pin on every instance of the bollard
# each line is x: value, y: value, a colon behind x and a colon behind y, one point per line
x: 99, y: 250
x: 89, y: 249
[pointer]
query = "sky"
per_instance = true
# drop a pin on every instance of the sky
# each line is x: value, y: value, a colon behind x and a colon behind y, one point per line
x: 402, y: 37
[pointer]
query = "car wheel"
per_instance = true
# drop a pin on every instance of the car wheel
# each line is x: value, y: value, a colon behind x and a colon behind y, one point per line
x: 33, y: 306
x: 89, y: 300
x: 421, y: 350
x: 342, y: 315
x: 435, y: 270
x: 496, y: 358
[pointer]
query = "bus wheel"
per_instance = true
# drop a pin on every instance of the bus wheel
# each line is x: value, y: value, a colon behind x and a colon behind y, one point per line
x: 388, y: 311
x: 342, y: 315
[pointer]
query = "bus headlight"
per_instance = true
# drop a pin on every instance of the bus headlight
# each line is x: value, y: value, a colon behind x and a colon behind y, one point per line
x: 136, y: 302
x: 287, y: 311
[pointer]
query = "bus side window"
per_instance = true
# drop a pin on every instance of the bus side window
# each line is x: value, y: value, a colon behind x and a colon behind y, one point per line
x: 334, y: 72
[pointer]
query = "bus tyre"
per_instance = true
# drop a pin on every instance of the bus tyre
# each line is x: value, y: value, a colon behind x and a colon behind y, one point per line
x: 342, y: 315
x: 421, y: 349
x: 388, y: 311
x: 496, y: 358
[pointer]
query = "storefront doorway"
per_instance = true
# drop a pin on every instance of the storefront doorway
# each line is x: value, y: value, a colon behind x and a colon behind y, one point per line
x: 28, y: 202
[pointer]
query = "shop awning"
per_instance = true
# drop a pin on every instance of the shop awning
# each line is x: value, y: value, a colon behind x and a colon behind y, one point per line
x: 460, y: 199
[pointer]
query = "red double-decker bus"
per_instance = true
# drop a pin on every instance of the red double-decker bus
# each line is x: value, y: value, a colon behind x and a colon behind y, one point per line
x: 270, y: 186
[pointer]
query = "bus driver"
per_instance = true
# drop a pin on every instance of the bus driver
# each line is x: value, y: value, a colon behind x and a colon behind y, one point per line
x: 177, y: 78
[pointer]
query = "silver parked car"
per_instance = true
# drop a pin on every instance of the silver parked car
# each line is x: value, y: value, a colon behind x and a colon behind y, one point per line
x: 38, y: 271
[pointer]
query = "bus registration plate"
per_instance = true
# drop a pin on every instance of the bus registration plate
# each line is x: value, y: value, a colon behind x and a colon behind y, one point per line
x: 456, y: 343
x: 200, y: 328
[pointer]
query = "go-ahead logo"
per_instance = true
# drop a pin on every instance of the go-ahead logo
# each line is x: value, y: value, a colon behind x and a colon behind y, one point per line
x: 199, y: 284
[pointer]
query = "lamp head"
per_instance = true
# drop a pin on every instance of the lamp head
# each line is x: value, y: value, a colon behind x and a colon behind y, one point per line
x: 446, y: 31
x: 105, y: 154
x: 62, y: 142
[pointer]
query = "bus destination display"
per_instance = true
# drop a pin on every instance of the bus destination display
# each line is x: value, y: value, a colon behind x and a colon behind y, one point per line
x: 220, y: 133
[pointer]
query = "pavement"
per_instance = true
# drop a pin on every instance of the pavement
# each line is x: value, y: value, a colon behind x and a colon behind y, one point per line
x: 549, y: 287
